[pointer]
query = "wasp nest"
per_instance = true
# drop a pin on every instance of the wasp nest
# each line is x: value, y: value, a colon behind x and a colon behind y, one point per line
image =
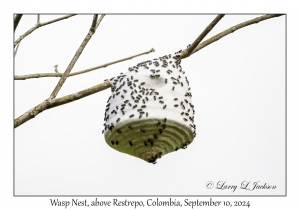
x: 150, y: 112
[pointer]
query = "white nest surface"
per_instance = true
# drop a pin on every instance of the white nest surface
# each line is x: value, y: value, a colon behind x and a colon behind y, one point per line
x: 155, y: 88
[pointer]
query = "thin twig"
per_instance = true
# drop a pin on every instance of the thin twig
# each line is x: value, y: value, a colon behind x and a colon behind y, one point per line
x: 38, y: 25
x: 48, y: 104
x: 233, y: 29
x: 16, y: 50
x: 55, y: 69
x: 17, y: 20
x: 38, y: 75
x: 99, y: 20
x: 38, y: 19
x: 75, y: 58
x: 187, y: 52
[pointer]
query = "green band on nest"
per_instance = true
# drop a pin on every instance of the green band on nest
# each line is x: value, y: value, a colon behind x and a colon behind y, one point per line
x: 149, y: 139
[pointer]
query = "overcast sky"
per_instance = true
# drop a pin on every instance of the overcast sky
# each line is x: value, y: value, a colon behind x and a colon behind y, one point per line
x: 238, y: 87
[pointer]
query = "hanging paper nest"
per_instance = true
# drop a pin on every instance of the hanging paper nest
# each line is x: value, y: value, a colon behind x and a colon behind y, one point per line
x: 150, y: 112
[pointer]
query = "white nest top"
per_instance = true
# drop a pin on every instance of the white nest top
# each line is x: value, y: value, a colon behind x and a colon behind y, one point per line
x: 155, y: 88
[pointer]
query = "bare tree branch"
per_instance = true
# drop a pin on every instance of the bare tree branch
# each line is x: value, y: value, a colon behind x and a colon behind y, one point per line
x: 233, y: 29
x: 38, y: 75
x: 99, y: 20
x: 17, y: 20
x: 38, y: 19
x: 75, y: 58
x: 16, y: 50
x: 55, y: 69
x: 187, y: 52
x: 38, y: 25
x: 50, y: 103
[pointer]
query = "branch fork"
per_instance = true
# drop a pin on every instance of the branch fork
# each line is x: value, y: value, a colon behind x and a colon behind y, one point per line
x: 53, y: 102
